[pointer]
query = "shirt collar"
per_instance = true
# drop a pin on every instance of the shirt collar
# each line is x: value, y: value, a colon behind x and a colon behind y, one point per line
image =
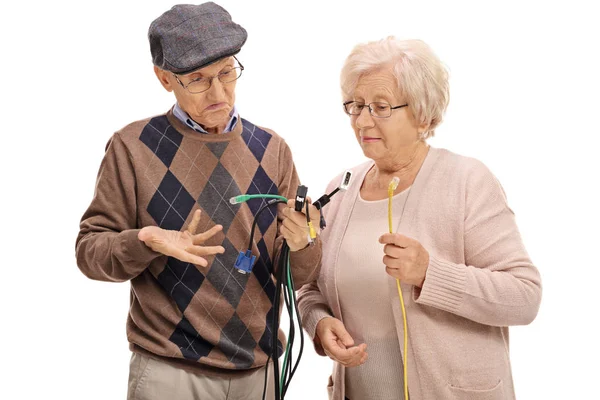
x: 186, y: 119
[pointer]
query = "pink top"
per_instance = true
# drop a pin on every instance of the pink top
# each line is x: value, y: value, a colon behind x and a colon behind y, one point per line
x: 368, y: 314
x: 480, y: 280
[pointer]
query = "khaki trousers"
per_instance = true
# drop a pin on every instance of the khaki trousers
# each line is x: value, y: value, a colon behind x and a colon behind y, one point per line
x: 151, y: 379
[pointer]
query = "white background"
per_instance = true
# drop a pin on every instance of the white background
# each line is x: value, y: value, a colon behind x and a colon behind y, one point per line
x: 524, y: 100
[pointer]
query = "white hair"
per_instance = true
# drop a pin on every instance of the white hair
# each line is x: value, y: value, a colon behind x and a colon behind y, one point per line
x: 422, y: 78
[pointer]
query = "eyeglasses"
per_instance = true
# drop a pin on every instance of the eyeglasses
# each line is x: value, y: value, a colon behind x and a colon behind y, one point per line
x: 377, y: 109
x: 202, y: 84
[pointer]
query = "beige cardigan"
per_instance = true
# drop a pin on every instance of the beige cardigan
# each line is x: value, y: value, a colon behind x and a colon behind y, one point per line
x: 480, y: 280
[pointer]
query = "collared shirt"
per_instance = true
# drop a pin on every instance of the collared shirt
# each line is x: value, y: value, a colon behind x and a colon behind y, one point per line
x: 186, y: 119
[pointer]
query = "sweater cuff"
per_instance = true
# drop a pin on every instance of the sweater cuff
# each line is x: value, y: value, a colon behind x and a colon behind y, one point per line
x: 309, y: 258
x: 444, y: 286
x: 133, y: 250
x: 312, y: 318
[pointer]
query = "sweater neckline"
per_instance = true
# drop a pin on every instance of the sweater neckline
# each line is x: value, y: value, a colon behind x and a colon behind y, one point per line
x: 189, y: 133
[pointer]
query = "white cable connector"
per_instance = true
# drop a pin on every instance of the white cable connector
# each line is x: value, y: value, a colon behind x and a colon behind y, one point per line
x: 346, y: 180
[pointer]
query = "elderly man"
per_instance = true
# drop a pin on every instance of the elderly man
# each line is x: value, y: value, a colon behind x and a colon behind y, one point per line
x: 196, y: 326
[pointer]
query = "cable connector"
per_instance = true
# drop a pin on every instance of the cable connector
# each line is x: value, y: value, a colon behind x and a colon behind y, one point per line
x: 312, y: 232
x: 244, y: 262
x: 242, y: 198
x: 323, y: 200
x: 300, y: 197
x: 238, y: 199
x: 346, y: 180
x: 393, y: 185
x: 322, y: 222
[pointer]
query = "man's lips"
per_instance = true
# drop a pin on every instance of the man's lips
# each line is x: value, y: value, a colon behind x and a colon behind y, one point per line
x: 216, y: 106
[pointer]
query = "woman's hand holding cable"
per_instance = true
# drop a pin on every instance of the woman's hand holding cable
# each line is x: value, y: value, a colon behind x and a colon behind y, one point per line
x: 405, y: 258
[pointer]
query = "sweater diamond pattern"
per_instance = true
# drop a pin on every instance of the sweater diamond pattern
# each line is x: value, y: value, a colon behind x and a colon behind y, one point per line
x: 256, y: 139
x: 214, y: 199
x: 162, y: 139
x: 181, y: 280
x: 189, y: 341
x: 171, y: 206
x: 225, y: 278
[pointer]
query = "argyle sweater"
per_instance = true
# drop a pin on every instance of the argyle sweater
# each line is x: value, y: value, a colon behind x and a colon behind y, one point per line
x: 158, y: 171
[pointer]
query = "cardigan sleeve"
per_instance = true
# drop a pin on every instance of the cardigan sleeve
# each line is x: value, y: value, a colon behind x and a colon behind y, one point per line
x: 498, y: 285
x: 313, y: 308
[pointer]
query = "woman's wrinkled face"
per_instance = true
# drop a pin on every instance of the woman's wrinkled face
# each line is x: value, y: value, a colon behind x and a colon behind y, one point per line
x: 381, y: 138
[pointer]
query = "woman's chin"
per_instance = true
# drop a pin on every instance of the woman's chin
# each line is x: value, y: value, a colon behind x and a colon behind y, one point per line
x: 369, y: 153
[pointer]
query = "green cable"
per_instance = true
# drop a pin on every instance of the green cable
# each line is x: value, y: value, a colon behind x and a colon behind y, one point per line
x: 241, y: 199
x: 287, y: 350
x: 245, y: 197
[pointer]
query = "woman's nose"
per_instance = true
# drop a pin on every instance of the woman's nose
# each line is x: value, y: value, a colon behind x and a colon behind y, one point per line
x: 364, y: 119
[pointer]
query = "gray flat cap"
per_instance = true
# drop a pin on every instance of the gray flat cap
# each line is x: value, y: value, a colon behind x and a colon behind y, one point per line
x: 189, y: 37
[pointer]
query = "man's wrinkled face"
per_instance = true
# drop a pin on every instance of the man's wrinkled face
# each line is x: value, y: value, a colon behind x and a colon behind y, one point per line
x: 211, y: 108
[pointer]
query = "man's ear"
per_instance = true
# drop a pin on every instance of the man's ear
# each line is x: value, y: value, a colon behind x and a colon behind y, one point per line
x: 165, y: 78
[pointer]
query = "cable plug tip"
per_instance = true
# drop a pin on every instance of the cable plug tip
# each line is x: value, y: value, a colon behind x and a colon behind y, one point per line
x: 394, y: 183
x: 312, y: 232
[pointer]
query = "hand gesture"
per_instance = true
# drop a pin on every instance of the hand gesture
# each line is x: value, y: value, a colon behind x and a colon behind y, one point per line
x: 185, y: 246
x: 338, y: 344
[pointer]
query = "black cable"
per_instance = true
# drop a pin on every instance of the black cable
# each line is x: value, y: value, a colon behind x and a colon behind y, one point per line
x: 287, y: 285
x: 283, y: 256
x: 323, y: 200
x: 274, y: 333
x: 307, y: 213
x: 263, y: 208
x: 275, y: 308
x: 281, y: 269
x: 291, y: 333
x: 266, y: 376
x: 301, y: 333
x: 291, y: 373
x: 334, y: 191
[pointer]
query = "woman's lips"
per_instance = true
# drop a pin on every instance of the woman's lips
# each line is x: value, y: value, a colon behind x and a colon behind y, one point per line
x: 367, y: 139
x: 215, y: 106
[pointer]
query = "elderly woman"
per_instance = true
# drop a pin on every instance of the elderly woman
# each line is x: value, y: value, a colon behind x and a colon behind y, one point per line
x: 464, y: 273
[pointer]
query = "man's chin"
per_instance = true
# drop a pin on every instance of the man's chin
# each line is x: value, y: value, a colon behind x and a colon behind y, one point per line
x: 211, y: 119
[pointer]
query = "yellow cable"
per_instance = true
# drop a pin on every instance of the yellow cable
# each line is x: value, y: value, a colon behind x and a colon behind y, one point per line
x: 311, y: 230
x: 392, y: 186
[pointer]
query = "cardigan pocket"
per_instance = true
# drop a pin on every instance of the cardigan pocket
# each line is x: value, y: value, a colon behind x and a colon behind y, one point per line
x: 330, y: 387
x: 460, y: 393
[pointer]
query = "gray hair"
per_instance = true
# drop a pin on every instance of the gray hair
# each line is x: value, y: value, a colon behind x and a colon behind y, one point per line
x: 421, y: 76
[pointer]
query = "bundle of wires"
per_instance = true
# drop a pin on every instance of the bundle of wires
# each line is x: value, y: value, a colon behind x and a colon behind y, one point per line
x: 284, y: 287
x: 285, y: 283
